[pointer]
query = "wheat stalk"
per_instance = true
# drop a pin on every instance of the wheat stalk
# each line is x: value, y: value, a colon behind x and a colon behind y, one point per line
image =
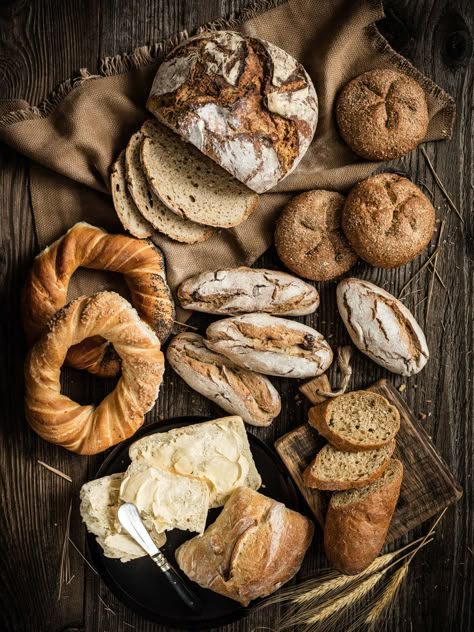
x: 52, y: 469
x: 388, y: 594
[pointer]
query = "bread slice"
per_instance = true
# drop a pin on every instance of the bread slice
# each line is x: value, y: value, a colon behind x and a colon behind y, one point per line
x: 189, y: 183
x: 151, y: 207
x: 99, y: 505
x: 125, y: 207
x: 357, y: 521
x: 166, y: 501
x: 217, y: 452
x: 334, y: 469
x: 360, y: 420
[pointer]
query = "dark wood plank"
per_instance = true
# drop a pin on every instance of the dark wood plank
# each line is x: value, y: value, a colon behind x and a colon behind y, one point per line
x: 43, y: 42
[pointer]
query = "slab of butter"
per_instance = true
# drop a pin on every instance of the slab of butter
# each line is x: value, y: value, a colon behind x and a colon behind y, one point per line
x: 216, y: 452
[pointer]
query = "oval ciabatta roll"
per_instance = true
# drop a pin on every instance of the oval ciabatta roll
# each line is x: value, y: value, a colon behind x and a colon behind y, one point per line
x: 270, y: 345
x: 382, y: 327
x: 243, y: 290
x: 238, y: 391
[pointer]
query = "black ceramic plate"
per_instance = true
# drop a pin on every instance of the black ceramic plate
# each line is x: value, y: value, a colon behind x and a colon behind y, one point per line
x: 139, y: 583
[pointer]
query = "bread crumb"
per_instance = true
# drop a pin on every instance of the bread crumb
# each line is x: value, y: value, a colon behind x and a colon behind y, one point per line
x: 402, y: 388
x: 422, y: 415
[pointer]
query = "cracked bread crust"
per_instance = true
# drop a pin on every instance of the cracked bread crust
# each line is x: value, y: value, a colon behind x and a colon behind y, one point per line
x: 309, y: 239
x: 382, y: 327
x: 382, y: 114
x: 388, y: 220
x: 238, y: 391
x: 244, y: 102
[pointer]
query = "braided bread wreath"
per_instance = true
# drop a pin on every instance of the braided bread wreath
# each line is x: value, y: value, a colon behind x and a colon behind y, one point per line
x: 142, y: 266
x: 90, y: 429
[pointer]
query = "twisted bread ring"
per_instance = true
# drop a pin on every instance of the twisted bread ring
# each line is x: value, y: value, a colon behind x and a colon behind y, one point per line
x: 142, y: 266
x: 90, y: 429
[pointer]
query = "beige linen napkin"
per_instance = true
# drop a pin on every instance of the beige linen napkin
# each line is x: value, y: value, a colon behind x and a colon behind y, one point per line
x: 76, y: 134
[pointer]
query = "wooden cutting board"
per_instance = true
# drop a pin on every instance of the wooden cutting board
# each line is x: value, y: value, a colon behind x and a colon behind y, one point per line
x: 427, y: 488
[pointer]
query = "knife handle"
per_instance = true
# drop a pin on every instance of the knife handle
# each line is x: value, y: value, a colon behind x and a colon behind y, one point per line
x: 187, y: 595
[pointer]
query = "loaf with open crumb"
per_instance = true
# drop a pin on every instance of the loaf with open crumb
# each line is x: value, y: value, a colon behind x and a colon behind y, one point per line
x: 382, y: 114
x: 356, y: 421
x: 337, y: 470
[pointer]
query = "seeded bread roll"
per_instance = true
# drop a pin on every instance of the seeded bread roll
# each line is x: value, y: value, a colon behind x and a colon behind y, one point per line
x: 190, y: 184
x: 244, y: 102
x: 334, y: 469
x: 382, y: 327
x: 382, y: 114
x: 270, y: 345
x: 126, y: 209
x: 255, y: 546
x: 388, y: 220
x: 243, y: 290
x: 151, y: 207
x: 238, y: 391
x: 357, y: 521
x: 309, y: 239
x: 356, y: 421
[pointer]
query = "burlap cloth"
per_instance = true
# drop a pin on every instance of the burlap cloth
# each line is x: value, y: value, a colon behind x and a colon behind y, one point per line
x: 74, y: 136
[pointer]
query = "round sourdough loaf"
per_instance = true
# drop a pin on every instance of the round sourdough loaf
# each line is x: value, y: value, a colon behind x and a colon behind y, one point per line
x: 243, y: 102
x: 309, y: 239
x: 382, y: 114
x: 388, y: 220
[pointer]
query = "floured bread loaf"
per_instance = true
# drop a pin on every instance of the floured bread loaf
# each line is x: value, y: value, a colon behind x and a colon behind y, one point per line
x: 217, y: 452
x: 356, y: 421
x: 99, y: 505
x: 151, y: 207
x: 238, y: 391
x: 191, y: 185
x: 244, y: 290
x: 244, y: 102
x: 270, y: 345
x: 255, y: 546
x: 166, y: 501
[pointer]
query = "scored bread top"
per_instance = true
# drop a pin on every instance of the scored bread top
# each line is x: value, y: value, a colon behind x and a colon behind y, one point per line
x: 334, y: 469
x: 189, y: 183
x: 360, y: 420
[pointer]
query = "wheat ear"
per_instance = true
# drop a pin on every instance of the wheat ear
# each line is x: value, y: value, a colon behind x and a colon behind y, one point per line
x: 388, y: 594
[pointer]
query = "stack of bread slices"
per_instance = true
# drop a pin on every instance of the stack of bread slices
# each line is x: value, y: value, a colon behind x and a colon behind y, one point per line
x: 357, y: 465
x: 162, y: 185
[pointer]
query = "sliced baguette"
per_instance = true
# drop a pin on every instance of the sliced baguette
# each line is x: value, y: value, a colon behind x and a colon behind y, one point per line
x: 356, y: 421
x: 357, y: 521
x: 125, y: 207
x: 217, y: 452
x: 166, y: 501
x: 334, y: 469
x: 151, y: 207
x: 189, y: 183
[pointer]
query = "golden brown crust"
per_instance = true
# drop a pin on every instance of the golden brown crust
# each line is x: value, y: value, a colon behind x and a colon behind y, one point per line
x: 90, y: 429
x: 354, y: 533
x: 382, y: 114
x: 255, y: 546
x: 142, y: 266
x: 388, y: 220
x: 309, y: 239
x: 320, y: 418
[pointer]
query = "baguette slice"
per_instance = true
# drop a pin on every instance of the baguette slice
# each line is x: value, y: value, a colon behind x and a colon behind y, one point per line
x: 217, y: 452
x: 334, y: 469
x: 356, y: 421
x: 125, y: 207
x: 166, y: 501
x: 357, y: 521
x: 151, y: 207
x: 189, y: 183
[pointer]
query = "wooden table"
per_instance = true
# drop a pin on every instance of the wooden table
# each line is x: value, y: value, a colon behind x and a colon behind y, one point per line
x: 41, y: 43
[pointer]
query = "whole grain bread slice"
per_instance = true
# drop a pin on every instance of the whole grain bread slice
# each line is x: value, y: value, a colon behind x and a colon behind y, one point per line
x: 334, y: 469
x: 126, y: 209
x: 189, y: 183
x: 357, y: 521
x: 356, y: 421
x: 151, y: 207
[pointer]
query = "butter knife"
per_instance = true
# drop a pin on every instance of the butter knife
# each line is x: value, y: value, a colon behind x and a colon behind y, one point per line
x: 131, y: 521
